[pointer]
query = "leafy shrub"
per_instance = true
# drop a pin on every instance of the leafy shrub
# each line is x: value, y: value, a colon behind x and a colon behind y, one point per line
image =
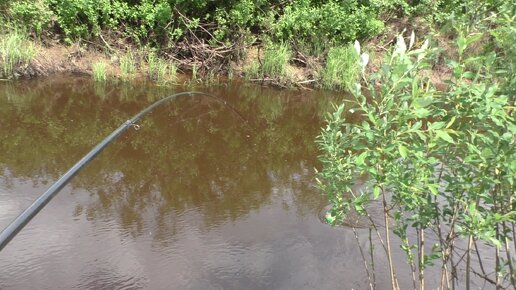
x: 335, y: 22
x: 442, y: 164
x: 331, y: 22
x: 34, y: 14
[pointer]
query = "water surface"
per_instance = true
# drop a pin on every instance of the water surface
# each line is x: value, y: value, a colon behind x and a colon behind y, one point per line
x: 210, y: 193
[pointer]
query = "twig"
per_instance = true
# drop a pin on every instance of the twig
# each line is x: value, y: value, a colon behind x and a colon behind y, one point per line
x: 371, y: 252
x: 387, y: 239
x: 363, y: 258
x: 478, y: 256
x: 421, y: 258
x: 486, y: 278
x: 509, y: 259
x: 105, y: 42
x: 468, y: 262
x: 306, y: 82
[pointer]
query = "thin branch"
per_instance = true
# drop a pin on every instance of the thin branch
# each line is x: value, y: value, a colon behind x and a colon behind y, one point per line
x: 468, y: 262
x: 363, y: 258
x: 479, y: 259
x: 371, y: 252
x: 387, y: 239
x: 486, y: 278
x: 509, y: 259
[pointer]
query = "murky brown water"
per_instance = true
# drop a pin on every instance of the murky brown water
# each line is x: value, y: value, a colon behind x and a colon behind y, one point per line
x: 208, y: 194
x: 204, y: 196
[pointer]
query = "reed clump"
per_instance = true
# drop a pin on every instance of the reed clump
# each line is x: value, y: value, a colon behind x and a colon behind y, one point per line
x: 127, y: 66
x: 341, y: 70
x: 275, y: 61
x: 160, y: 70
x: 99, y: 70
x: 274, y: 64
x: 15, y: 51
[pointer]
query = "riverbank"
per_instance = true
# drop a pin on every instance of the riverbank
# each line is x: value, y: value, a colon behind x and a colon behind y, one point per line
x: 307, y: 44
x: 272, y: 65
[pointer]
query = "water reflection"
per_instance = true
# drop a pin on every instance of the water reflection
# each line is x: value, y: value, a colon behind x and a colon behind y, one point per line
x: 218, y: 193
x: 190, y: 152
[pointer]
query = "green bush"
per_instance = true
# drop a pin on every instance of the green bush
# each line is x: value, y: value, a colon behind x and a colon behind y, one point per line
x: 330, y: 22
x: 307, y: 21
x: 35, y: 15
x: 441, y: 164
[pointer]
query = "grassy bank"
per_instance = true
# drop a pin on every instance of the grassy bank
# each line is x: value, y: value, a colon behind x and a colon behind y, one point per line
x: 307, y: 44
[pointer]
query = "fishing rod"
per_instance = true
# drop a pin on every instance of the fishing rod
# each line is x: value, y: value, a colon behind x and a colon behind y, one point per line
x: 24, y: 218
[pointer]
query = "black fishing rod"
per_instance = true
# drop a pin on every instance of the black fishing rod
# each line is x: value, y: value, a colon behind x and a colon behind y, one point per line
x: 23, y: 219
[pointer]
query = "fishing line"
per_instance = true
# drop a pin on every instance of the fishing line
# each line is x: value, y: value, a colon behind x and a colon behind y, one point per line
x: 24, y: 218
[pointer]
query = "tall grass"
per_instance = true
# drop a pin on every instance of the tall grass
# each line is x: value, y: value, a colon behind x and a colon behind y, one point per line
x: 194, y: 72
x: 160, y: 70
x: 273, y: 65
x: 253, y: 70
x: 127, y: 66
x: 15, y: 50
x: 341, y: 69
x: 275, y: 61
x: 99, y: 71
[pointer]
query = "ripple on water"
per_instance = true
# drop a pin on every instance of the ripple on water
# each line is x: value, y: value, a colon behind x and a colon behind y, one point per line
x: 108, y: 278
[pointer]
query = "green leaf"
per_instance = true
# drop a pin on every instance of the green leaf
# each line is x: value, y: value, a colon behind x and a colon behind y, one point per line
x: 403, y: 151
x: 433, y: 188
x: 486, y: 153
x: 401, y: 47
x: 436, y: 125
x: 376, y: 192
x: 422, y: 113
x: 416, y: 126
x: 445, y: 136
x: 461, y: 44
x: 507, y: 136
x: 469, y: 75
x: 451, y: 122
x: 473, y: 38
x: 421, y: 136
x: 360, y: 160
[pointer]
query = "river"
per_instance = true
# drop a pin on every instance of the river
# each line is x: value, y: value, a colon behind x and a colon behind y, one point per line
x: 208, y: 193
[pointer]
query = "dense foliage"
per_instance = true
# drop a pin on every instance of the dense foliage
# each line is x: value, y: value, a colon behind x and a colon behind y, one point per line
x: 305, y: 22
